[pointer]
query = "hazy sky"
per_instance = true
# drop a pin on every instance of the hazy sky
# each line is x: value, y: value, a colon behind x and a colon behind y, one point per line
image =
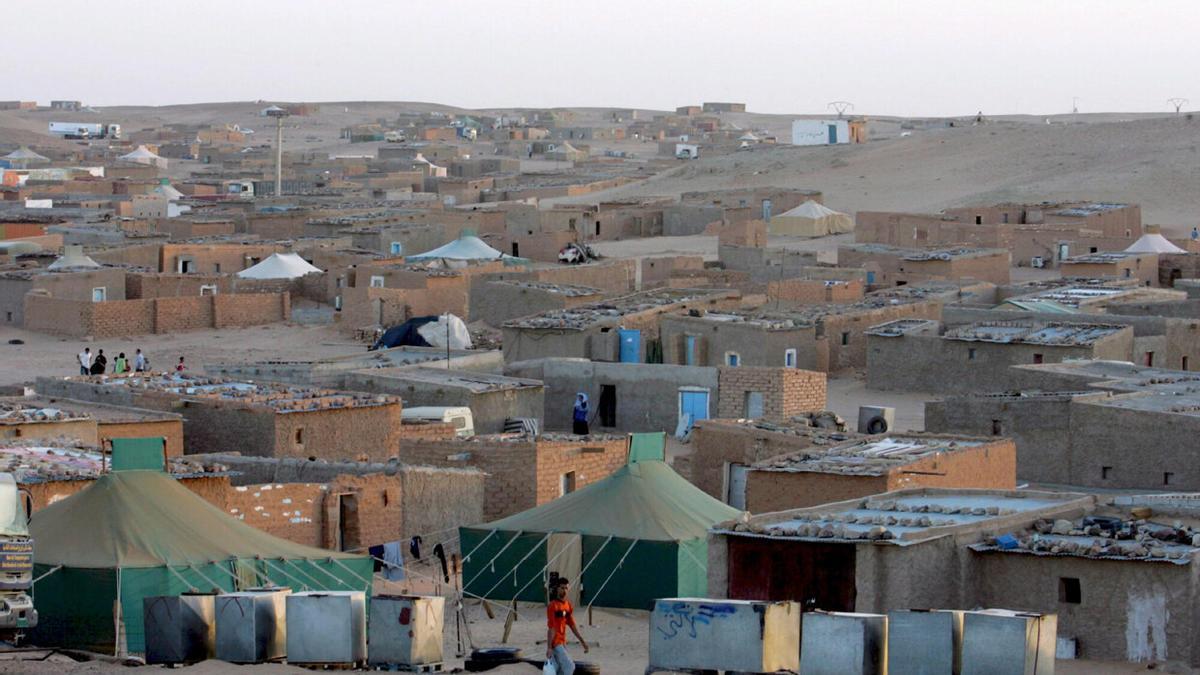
x: 914, y: 57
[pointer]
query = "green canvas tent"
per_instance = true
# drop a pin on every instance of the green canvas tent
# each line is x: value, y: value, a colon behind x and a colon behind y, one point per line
x: 134, y: 534
x: 643, y: 536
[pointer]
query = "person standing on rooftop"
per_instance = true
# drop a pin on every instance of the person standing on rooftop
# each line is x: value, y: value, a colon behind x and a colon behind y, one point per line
x: 85, y: 361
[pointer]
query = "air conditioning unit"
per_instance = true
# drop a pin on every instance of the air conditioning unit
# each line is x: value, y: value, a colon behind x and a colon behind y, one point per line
x: 874, y: 419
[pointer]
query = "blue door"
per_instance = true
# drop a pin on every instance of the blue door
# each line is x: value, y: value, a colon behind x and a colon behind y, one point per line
x: 833, y: 133
x: 631, y: 345
x: 689, y: 355
x: 766, y: 206
x: 870, y: 277
x: 694, y: 404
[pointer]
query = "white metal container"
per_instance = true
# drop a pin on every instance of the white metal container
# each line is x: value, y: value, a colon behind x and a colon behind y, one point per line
x: 327, y: 627
x: 718, y: 634
x: 252, y: 626
x: 405, y: 630
x: 1004, y: 642
x: 844, y: 643
x: 180, y: 628
x: 924, y: 642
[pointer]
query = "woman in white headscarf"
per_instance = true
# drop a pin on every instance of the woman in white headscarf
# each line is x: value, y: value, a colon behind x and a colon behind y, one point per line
x: 580, y: 418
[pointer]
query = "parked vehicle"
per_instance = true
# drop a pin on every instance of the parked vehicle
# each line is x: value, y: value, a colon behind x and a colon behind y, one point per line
x: 459, y: 417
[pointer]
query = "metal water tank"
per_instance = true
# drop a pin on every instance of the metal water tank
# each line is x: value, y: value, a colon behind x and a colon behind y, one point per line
x: 924, y: 642
x: 327, y: 627
x: 405, y: 630
x: 843, y: 643
x: 180, y: 628
x: 1004, y: 642
x: 731, y: 635
x: 252, y: 625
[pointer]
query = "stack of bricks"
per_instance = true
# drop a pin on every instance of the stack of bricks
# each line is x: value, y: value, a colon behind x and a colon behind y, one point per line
x: 786, y: 392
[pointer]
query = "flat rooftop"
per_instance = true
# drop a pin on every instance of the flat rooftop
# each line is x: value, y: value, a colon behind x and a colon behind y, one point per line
x: 1018, y: 332
x: 1088, y: 209
x: 920, y: 255
x: 280, y: 397
x: 1111, y: 533
x: 54, y: 409
x: 583, y: 316
x: 910, y: 516
x: 904, y: 327
x: 557, y: 289
x: 870, y: 457
x: 40, y: 461
x: 1101, y: 257
x: 479, y: 383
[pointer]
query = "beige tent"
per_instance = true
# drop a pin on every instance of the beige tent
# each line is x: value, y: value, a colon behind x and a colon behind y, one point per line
x: 810, y: 219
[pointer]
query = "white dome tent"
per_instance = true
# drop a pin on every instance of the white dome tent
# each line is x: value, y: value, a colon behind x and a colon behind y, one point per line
x: 466, y: 247
x: 280, y: 266
x: 143, y: 155
x: 810, y: 219
x: 1153, y: 242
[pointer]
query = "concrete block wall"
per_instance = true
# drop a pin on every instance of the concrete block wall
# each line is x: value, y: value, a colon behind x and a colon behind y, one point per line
x: 511, y: 486
x: 786, y: 392
x: 292, y: 511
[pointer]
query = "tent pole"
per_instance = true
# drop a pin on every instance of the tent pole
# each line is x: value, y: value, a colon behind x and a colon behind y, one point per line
x: 485, y: 565
x: 610, y: 574
x: 303, y: 586
x: 514, y: 567
x: 481, y: 541
x: 117, y: 618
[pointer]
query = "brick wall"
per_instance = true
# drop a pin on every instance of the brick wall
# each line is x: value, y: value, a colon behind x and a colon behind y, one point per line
x: 292, y: 511
x: 83, y: 429
x: 361, y: 432
x: 717, y: 443
x: 212, y: 488
x: 590, y: 461
x: 522, y: 473
x: 169, y: 429
x: 988, y: 466
x: 414, y: 430
x: 121, y: 318
x: 815, y: 291
x: 786, y: 392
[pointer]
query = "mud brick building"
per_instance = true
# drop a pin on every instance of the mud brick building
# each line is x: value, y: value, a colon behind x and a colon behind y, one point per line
x: 89, y: 423
x: 493, y: 399
x: 1116, y: 597
x: 877, y: 465
x: 724, y: 449
x: 815, y: 291
x: 917, y: 356
x: 525, y: 471
x: 253, y: 419
x: 596, y: 331
x: 1140, y: 266
x: 772, y: 394
x: 1101, y: 424
x: 826, y: 338
x: 351, y: 506
x: 495, y: 302
x: 894, y: 266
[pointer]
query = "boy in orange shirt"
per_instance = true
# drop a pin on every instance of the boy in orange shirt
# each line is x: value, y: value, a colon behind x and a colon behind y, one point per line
x: 560, y: 616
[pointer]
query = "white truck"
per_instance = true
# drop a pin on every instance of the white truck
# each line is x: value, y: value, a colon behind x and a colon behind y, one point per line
x: 85, y: 130
x: 394, y: 136
x: 16, y: 560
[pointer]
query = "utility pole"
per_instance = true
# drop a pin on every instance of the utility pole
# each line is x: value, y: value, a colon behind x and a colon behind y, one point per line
x: 841, y: 107
x: 1178, y: 103
x: 278, y: 113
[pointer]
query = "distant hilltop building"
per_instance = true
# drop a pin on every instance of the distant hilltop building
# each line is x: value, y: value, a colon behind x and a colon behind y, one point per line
x: 715, y: 107
x: 828, y: 132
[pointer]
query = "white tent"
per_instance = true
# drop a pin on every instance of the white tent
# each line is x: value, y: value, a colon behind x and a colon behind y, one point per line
x: 23, y: 157
x: 279, y: 266
x: 467, y: 247
x: 447, y: 328
x: 143, y: 155
x: 1153, y: 243
x: 810, y: 219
